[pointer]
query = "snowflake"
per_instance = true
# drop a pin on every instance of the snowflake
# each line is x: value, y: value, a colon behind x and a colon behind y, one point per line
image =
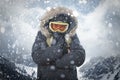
x: 2, y: 30
x: 72, y: 62
x: 114, y: 13
x: 58, y: 50
x: 75, y: 13
x: 62, y: 76
x: 46, y: 1
x: 110, y: 25
x: 52, y: 67
x: 83, y: 1
x: 48, y: 8
x: 48, y: 59
x: 117, y: 43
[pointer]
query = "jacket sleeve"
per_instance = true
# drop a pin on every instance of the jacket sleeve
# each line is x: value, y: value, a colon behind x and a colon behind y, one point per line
x: 76, y: 56
x: 42, y: 54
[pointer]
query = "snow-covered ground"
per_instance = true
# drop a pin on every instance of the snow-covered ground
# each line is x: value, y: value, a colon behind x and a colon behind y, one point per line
x: 105, y: 69
x: 26, y: 70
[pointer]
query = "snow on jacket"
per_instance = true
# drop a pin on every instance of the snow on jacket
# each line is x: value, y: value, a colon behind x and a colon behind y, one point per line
x: 54, y: 60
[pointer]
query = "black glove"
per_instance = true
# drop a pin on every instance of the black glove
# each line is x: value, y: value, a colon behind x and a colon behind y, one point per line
x: 59, y: 38
x: 60, y: 42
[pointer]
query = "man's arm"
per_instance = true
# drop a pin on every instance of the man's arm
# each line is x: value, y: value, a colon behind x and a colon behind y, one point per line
x: 76, y: 56
x: 42, y: 54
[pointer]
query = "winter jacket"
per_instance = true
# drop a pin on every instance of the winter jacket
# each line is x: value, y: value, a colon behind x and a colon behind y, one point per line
x: 57, y: 61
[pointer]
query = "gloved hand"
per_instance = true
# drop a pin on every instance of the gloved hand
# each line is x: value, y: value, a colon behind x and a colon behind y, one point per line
x: 60, y: 42
x: 59, y: 38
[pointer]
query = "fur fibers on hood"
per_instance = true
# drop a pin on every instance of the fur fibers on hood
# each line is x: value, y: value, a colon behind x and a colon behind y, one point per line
x: 51, y: 14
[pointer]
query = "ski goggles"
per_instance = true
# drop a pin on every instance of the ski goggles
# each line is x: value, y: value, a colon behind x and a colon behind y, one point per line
x: 58, y: 26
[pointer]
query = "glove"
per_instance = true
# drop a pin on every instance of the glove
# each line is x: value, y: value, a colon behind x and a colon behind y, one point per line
x: 61, y: 42
x: 59, y: 39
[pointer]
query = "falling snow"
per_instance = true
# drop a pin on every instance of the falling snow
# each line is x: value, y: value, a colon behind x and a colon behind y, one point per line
x: 110, y: 25
x: 2, y: 30
x: 72, y: 62
x: 62, y: 75
x: 82, y: 1
x: 19, y: 24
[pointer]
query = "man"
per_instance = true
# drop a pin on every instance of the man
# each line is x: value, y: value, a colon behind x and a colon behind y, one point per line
x: 57, y: 50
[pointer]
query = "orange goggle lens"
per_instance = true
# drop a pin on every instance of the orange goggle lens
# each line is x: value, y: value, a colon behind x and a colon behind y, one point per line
x: 58, y: 26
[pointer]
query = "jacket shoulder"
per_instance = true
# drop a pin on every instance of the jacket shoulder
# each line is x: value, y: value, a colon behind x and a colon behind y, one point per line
x: 40, y: 36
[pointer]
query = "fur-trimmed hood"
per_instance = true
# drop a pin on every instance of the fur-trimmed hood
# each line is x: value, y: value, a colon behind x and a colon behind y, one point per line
x: 53, y: 12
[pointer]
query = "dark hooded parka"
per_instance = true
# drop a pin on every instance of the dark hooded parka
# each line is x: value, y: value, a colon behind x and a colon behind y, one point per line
x: 58, y: 54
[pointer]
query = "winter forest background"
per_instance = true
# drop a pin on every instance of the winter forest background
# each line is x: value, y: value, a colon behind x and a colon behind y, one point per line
x: 98, y: 31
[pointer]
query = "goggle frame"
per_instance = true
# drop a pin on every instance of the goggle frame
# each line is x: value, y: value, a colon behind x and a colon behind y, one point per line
x: 58, y: 30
